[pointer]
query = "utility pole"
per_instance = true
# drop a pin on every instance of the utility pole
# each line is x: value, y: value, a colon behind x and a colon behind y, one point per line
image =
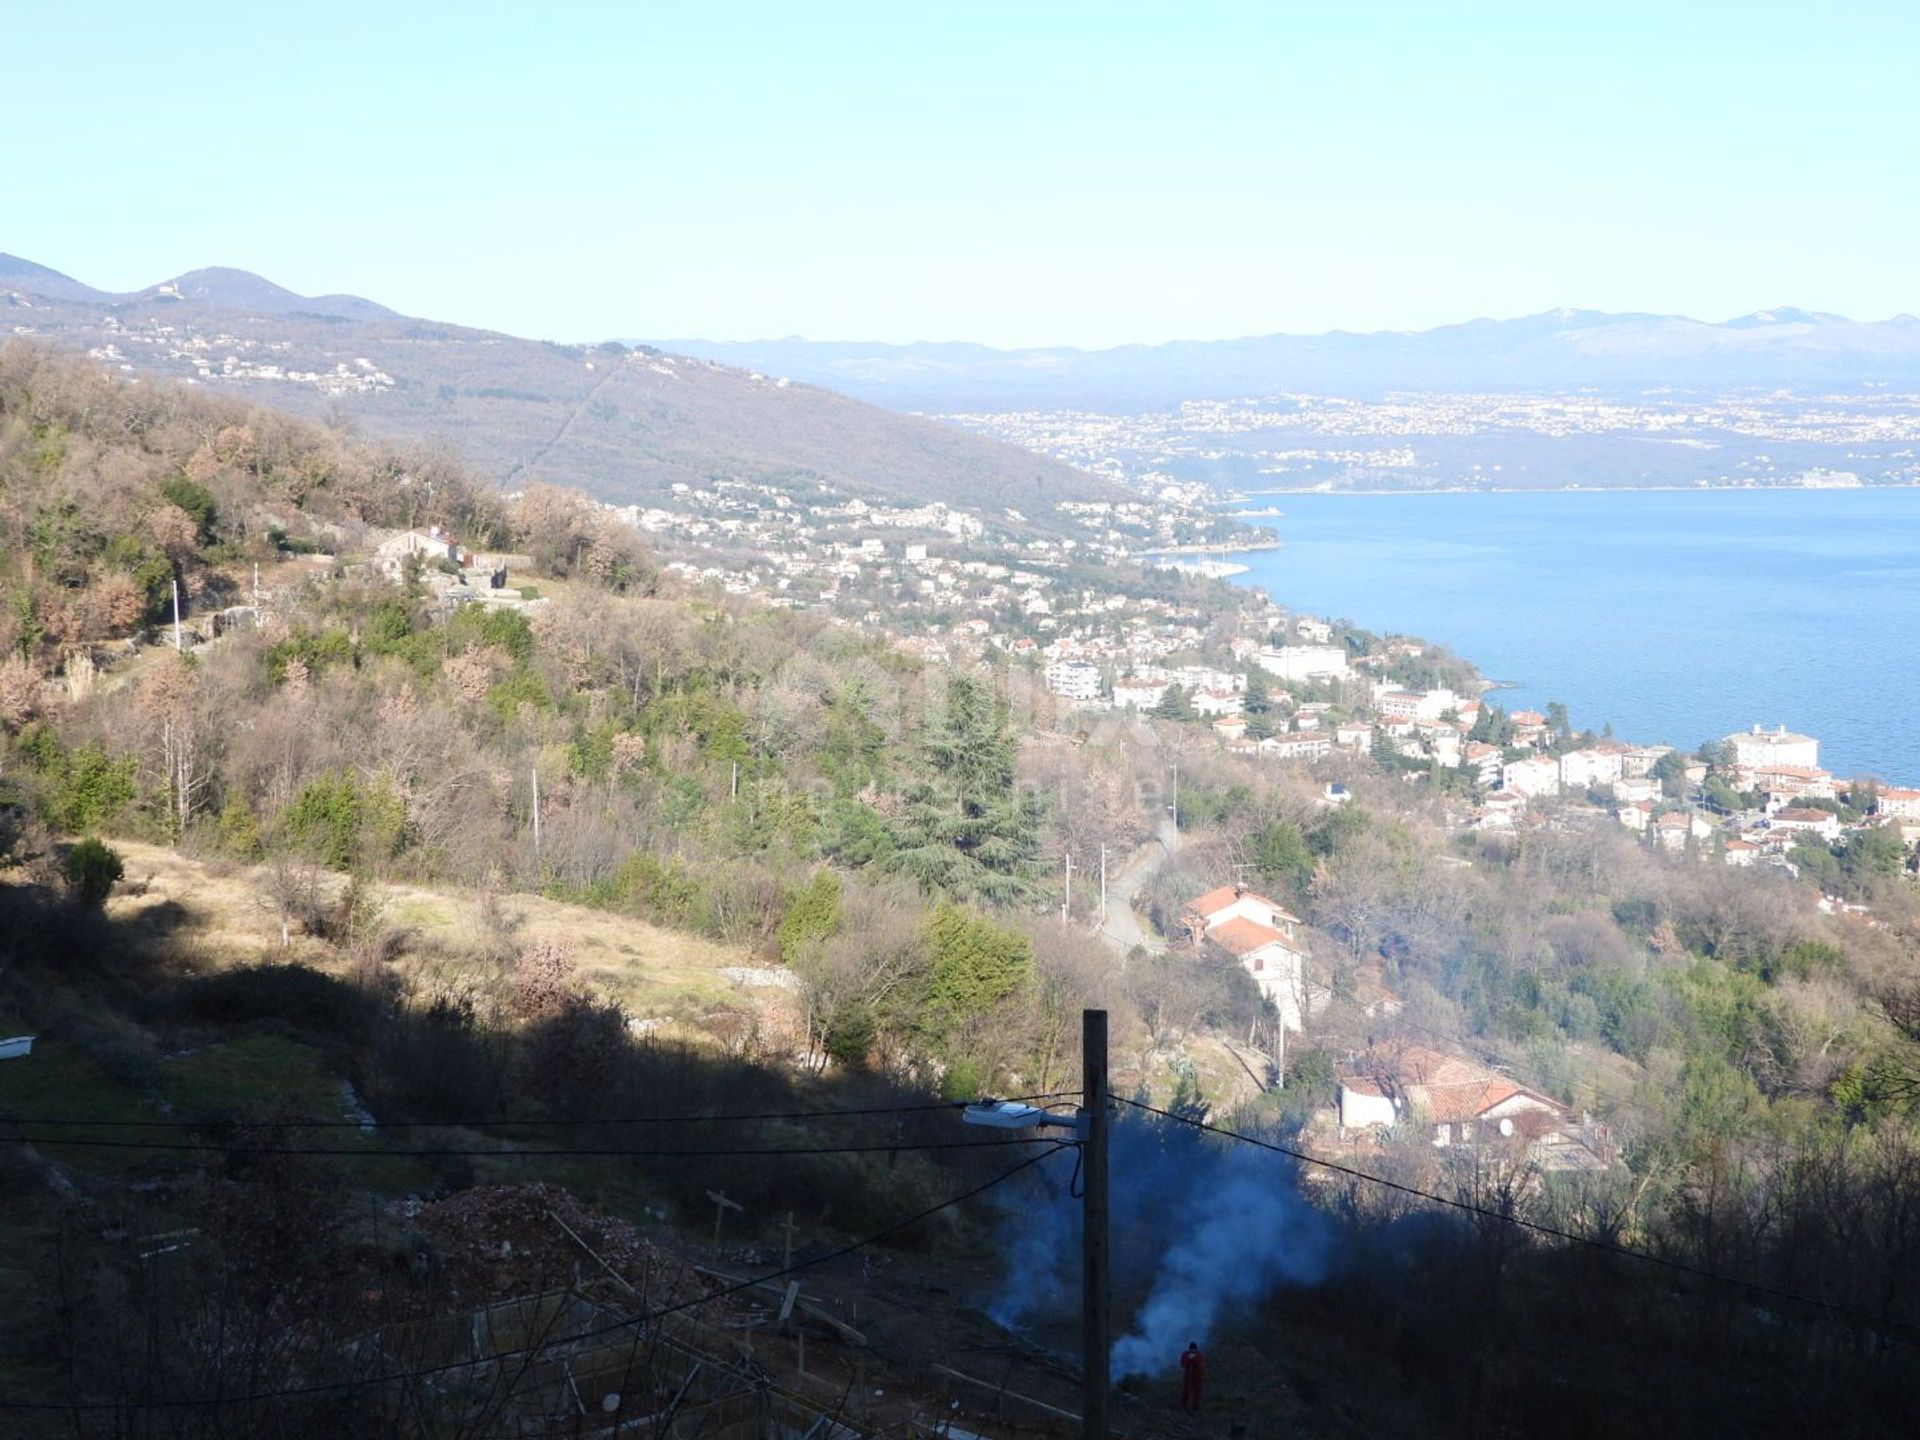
x: 178, y: 643
x: 535, y: 771
x: 1096, y: 1317
x: 1103, y: 884
x: 1089, y: 1127
x: 1176, y: 792
x: 1066, y: 904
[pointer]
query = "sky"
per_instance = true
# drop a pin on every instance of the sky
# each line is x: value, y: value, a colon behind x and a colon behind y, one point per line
x: 1014, y: 174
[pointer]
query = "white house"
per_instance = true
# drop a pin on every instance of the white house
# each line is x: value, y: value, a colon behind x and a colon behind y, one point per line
x: 1823, y: 823
x: 1537, y: 776
x: 1898, y: 803
x: 1584, y: 769
x: 1676, y: 827
x: 1354, y: 736
x: 1460, y: 1103
x: 1483, y: 760
x: 1215, y: 703
x: 1135, y: 693
x: 1631, y: 789
x: 1263, y: 935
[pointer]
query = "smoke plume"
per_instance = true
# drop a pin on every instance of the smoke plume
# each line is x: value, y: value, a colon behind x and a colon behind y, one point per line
x: 1203, y: 1227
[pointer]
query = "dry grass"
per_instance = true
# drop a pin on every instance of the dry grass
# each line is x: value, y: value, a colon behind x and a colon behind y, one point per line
x: 226, y: 915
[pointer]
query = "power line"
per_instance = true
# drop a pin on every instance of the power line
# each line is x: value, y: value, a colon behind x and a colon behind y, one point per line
x: 505, y: 1121
x: 196, y: 1146
x: 533, y: 1350
x: 1538, y: 1227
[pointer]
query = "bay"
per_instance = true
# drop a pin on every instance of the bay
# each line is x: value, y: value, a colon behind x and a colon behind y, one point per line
x: 1673, y: 615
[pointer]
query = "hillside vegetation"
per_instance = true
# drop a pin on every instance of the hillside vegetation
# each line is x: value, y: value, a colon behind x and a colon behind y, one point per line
x: 605, y: 848
x: 624, y: 425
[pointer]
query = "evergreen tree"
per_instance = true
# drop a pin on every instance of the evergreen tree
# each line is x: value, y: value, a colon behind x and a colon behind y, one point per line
x: 967, y: 830
x: 1174, y: 705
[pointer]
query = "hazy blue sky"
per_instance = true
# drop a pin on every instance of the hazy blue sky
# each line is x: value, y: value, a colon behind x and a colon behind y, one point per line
x: 1013, y: 173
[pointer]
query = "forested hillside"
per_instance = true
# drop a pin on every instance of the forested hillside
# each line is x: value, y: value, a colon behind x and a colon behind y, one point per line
x: 626, y: 426
x: 520, y: 865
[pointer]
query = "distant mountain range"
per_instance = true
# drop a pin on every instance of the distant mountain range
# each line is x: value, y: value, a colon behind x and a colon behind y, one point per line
x: 625, y: 425
x: 1561, y: 350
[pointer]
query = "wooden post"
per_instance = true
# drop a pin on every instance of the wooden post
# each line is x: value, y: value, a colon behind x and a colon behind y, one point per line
x: 786, y: 1253
x: 1095, y: 1294
x: 721, y: 1204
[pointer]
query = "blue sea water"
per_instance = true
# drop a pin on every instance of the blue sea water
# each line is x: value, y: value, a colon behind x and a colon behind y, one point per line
x: 1674, y: 615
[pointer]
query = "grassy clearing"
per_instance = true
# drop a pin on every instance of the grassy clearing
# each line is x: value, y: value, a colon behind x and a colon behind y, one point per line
x: 222, y: 912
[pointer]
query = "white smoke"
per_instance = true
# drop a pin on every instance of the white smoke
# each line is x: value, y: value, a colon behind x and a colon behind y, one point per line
x: 1246, y: 1235
x: 1203, y: 1226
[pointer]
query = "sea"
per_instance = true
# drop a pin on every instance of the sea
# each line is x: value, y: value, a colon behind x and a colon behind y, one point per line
x: 1673, y: 615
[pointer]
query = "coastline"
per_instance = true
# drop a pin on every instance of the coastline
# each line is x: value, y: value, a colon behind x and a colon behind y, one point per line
x: 1877, y: 770
x: 1239, y: 547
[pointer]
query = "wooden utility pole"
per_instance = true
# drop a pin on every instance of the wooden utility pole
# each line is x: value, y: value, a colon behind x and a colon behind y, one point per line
x: 178, y: 643
x: 1066, y: 904
x: 786, y: 1254
x: 1103, y: 884
x: 1096, y: 1317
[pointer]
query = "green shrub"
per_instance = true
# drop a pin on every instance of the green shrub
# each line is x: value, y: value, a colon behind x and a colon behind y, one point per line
x: 522, y: 687
x: 975, y: 965
x: 196, y: 500
x: 812, y: 916
x: 92, y: 869
x: 316, y: 652
x: 340, y: 822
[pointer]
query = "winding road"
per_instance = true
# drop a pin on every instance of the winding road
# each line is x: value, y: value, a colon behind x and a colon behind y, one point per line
x: 1122, y: 928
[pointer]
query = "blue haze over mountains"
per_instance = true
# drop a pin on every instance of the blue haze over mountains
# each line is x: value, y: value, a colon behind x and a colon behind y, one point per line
x: 1561, y: 350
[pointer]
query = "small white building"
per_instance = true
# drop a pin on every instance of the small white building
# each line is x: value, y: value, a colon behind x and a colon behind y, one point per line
x: 1136, y: 693
x: 1897, y: 803
x: 1312, y: 745
x: 1821, y: 823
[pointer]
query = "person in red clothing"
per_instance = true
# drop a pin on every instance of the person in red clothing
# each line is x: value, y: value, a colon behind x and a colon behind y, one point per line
x: 1193, y: 1375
